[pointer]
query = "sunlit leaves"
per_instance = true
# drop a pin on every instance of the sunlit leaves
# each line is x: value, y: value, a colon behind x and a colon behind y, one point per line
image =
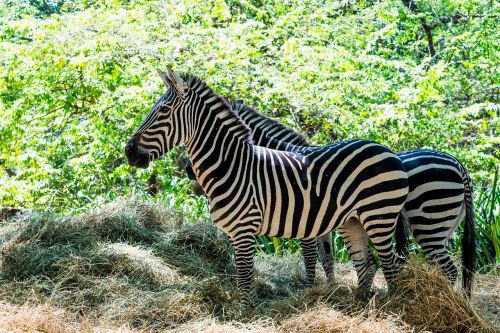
x: 75, y: 83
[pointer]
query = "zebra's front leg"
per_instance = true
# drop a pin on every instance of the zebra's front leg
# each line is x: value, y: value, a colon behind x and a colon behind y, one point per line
x: 244, y: 250
x: 309, y: 254
x: 356, y: 241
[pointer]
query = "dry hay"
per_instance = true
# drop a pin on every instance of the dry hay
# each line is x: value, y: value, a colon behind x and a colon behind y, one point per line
x: 427, y: 301
x: 486, y: 297
x: 34, y: 318
x: 142, y: 262
x: 134, y: 267
x: 128, y: 263
x: 211, y: 325
x: 324, y: 319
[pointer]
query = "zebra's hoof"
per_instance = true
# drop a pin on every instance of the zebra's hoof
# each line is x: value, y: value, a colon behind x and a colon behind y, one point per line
x: 363, y: 294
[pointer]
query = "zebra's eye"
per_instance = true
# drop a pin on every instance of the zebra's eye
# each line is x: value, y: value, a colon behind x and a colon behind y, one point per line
x: 165, y: 112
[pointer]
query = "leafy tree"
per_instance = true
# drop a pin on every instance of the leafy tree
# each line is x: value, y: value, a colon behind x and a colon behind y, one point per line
x: 77, y: 77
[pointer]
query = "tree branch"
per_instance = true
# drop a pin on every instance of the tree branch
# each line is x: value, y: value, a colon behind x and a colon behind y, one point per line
x: 428, y: 33
x: 427, y: 28
x: 9, y: 171
x: 47, y: 7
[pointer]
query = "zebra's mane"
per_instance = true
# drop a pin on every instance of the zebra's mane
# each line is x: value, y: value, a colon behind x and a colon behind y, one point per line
x: 198, y: 85
x: 294, y: 137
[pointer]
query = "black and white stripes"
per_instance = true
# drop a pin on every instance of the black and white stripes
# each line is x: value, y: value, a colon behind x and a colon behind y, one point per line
x: 440, y: 194
x: 255, y: 190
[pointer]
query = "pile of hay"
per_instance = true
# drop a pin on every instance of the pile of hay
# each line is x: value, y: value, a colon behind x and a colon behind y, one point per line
x: 426, y: 299
x: 35, y: 318
x: 129, y: 262
x: 136, y: 267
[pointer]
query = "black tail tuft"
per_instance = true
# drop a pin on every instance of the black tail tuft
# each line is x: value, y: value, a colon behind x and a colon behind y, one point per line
x: 468, y: 239
x: 402, y: 241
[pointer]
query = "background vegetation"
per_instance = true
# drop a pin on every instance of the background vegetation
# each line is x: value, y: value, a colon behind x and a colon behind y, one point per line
x: 77, y: 77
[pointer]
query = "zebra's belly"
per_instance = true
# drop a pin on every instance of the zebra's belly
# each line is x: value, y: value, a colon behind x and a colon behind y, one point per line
x: 316, y: 216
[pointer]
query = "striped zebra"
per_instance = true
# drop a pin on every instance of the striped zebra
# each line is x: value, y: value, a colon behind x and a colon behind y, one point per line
x: 269, y: 133
x: 440, y: 195
x: 254, y: 190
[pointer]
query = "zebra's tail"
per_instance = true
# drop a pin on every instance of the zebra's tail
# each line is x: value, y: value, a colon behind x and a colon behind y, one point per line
x: 402, y: 242
x: 469, y: 238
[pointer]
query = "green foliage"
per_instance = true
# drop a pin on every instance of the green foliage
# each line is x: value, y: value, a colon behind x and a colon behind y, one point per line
x: 488, y: 225
x: 77, y: 77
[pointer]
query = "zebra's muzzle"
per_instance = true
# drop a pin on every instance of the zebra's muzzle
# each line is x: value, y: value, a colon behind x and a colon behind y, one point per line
x: 141, y: 161
x: 135, y: 157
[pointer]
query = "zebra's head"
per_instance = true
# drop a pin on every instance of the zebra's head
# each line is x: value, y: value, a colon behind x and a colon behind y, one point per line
x: 157, y: 135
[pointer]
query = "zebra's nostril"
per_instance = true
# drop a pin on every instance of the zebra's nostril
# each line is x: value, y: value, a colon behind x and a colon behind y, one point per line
x: 129, y: 148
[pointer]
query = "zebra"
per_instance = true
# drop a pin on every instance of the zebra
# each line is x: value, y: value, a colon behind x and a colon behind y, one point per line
x: 254, y: 190
x: 440, y: 195
x: 269, y: 133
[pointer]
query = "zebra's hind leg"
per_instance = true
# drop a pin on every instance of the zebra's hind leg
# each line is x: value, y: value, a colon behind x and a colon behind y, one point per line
x: 244, y: 250
x: 438, y: 255
x: 380, y: 232
x: 309, y: 254
x: 356, y: 240
x: 325, y: 255
x: 432, y: 233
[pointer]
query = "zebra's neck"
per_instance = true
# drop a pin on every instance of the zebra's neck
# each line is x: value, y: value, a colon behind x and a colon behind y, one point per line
x: 219, y: 138
x: 218, y: 155
x: 265, y: 129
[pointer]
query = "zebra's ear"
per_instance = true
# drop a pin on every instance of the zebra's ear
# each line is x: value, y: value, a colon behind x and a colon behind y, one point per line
x: 177, y: 82
x: 167, y: 83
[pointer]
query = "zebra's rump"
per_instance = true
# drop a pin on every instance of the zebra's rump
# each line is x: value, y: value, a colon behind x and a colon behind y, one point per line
x: 437, y: 194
